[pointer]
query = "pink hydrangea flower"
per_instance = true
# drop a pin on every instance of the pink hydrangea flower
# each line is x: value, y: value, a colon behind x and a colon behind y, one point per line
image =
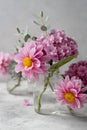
x: 58, y: 45
x: 30, y: 61
x: 5, y: 60
x: 69, y: 92
x: 48, y: 48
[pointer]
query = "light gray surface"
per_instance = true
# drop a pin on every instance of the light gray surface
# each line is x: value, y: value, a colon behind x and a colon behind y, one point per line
x: 15, y: 116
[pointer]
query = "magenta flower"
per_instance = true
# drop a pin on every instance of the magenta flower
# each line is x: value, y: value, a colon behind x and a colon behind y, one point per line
x: 5, y: 60
x: 58, y: 45
x: 69, y: 92
x: 79, y: 70
x: 30, y: 61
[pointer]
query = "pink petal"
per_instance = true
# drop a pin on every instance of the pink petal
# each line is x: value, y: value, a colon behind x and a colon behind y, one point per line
x: 84, y: 89
x: 31, y: 52
x: 82, y: 97
x: 19, y: 68
x: 25, y: 52
x: 36, y: 76
x: 26, y: 102
x: 74, y: 92
x: 36, y: 63
x: 69, y: 85
x: 77, y: 103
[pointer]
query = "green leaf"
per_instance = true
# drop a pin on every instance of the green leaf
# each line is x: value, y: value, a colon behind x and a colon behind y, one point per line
x: 41, y: 13
x: 34, y: 38
x: 43, y: 28
x: 60, y: 63
x: 27, y: 36
x: 19, y: 41
x: 36, y: 23
x: 18, y: 30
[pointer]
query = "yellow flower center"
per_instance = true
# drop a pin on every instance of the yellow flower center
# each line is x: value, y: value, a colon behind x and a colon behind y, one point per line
x: 27, y: 62
x: 69, y: 96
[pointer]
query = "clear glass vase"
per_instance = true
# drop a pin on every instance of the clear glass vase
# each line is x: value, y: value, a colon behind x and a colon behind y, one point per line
x: 65, y: 110
x: 45, y: 99
x: 19, y: 87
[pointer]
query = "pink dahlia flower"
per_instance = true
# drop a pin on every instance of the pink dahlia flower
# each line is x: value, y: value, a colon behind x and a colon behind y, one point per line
x: 69, y: 92
x: 30, y: 61
x: 5, y: 60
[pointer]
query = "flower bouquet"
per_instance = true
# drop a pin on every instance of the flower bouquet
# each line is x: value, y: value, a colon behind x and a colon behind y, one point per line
x: 40, y: 59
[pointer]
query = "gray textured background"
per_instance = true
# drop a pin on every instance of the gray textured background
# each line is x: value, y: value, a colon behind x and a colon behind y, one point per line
x: 70, y: 15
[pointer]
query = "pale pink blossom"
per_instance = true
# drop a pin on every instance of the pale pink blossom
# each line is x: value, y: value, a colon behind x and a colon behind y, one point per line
x: 69, y: 92
x: 31, y: 61
x: 5, y: 61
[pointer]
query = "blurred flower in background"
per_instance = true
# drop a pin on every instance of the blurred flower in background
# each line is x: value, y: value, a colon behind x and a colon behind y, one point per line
x: 5, y: 61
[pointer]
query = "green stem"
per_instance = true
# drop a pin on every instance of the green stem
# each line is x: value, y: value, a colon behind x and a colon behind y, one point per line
x: 40, y: 96
x: 16, y: 85
x: 51, y: 86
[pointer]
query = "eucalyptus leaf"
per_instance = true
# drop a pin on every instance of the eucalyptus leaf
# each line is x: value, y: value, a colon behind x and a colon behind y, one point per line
x: 41, y: 13
x: 34, y: 38
x: 19, y: 41
x: 36, y: 23
x: 46, y: 19
x: 18, y: 30
x: 27, y: 36
x: 43, y: 28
